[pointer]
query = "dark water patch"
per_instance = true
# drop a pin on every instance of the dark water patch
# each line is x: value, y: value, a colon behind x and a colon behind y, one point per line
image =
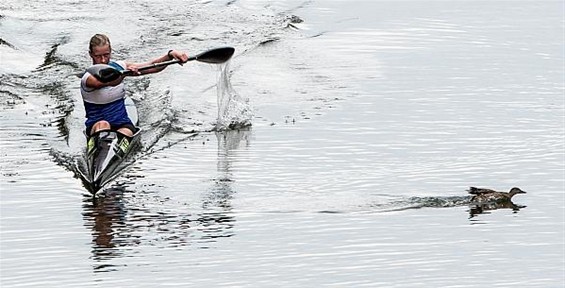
x: 10, y: 99
x: 62, y: 106
x: 76, y: 164
x: 6, y: 43
x: 269, y: 41
x: 319, y: 34
x: 52, y: 58
x: 61, y: 124
x: 292, y: 20
x: 330, y: 212
x: 11, y: 86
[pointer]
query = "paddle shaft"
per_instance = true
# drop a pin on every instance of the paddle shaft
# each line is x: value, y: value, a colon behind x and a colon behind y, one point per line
x: 106, y: 73
x: 157, y: 65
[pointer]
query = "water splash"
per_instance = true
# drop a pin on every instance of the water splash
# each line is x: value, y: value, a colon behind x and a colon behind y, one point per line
x: 234, y: 110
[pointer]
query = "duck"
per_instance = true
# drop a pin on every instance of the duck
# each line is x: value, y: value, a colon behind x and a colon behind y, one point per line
x: 483, y: 195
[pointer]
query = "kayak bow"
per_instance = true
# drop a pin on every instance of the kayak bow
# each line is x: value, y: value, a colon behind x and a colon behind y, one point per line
x: 107, y: 152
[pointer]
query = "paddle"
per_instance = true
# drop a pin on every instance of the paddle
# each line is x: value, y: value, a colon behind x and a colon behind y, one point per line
x: 105, y: 73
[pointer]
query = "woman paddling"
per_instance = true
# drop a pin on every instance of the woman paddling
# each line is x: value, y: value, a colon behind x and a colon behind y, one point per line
x: 104, y: 101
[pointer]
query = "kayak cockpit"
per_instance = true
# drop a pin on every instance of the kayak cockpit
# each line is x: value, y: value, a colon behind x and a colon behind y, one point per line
x: 106, y: 152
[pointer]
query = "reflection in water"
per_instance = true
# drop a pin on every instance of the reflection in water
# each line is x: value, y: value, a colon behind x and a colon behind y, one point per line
x: 484, y: 208
x: 217, y: 218
x: 228, y: 142
x: 121, y: 219
x: 105, y: 215
x: 219, y: 196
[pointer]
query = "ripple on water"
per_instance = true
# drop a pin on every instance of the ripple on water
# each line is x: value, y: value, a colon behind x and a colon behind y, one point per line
x: 352, y: 154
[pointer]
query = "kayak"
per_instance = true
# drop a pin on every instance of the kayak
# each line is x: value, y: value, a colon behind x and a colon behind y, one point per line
x: 107, y: 152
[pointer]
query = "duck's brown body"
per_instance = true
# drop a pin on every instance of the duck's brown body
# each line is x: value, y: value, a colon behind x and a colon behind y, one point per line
x: 482, y: 195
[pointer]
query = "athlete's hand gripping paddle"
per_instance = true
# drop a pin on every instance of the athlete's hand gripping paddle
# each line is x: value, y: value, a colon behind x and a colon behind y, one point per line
x: 106, y: 73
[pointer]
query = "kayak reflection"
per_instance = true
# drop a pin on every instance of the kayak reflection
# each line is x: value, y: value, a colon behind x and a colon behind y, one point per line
x: 121, y: 219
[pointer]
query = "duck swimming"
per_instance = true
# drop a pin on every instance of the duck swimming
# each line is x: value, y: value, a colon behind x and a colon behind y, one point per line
x: 482, y: 195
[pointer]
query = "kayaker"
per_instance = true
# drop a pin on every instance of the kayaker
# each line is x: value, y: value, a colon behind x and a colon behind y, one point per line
x: 104, y: 102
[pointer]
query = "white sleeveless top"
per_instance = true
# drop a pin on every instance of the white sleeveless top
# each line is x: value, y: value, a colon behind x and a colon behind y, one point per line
x: 106, y: 94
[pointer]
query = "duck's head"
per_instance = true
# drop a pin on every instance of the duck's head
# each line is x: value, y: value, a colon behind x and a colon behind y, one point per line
x: 516, y: 190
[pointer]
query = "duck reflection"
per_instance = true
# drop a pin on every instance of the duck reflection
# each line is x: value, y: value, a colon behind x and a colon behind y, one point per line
x: 485, y: 208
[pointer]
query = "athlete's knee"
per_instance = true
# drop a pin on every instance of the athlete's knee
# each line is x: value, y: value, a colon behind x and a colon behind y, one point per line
x: 101, y: 125
x: 126, y: 131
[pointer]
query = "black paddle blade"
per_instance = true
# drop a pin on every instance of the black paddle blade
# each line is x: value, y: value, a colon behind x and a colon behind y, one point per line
x: 104, y: 73
x: 215, y: 56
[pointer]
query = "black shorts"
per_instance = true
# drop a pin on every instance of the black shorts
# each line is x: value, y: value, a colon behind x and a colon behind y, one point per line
x: 130, y: 126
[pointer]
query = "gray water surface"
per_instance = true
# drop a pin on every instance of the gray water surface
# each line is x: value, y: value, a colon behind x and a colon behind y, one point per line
x: 371, y: 119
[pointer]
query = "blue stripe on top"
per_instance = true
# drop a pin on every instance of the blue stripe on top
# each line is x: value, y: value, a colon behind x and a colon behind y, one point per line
x: 116, y: 66
x: 114, y: 112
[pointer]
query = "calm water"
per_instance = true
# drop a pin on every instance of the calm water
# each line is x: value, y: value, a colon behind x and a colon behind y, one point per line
x: 371, y: 119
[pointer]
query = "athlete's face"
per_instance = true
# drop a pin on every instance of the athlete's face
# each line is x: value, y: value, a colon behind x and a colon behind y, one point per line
x: 101, y: 54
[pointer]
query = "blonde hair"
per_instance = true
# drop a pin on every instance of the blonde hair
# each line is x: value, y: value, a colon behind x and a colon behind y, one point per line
x: 99, y: 40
